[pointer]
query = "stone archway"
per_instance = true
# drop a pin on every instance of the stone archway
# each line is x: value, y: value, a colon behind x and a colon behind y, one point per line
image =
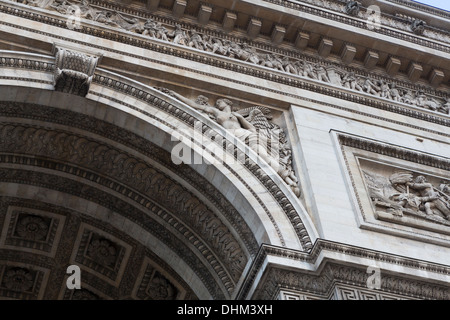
x: 91, y: 182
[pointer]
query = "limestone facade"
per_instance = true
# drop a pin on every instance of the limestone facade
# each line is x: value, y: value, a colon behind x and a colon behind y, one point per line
x: 319, y: 139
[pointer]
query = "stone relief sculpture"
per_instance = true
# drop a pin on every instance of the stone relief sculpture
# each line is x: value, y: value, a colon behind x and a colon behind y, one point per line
x: 405, y: 193
x: 252, y: 126
x: 418, y: 26
x: 155, y: 30
x: 352, y: 8
x: 244, y: 52
x: 73, y: 71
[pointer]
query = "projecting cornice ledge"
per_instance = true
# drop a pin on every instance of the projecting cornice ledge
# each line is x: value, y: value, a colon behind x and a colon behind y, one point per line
x: 317, y: 275
x: 347, y: 37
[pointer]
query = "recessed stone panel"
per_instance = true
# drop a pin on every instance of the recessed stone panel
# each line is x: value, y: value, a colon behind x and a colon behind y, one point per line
x: 153, y: 283
x: 397, y: 190
x: 101, y: 254
x: 19, y: 281
x: 32, y: 230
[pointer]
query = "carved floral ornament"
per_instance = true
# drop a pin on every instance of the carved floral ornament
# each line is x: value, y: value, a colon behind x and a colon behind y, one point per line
x: 315, y: 70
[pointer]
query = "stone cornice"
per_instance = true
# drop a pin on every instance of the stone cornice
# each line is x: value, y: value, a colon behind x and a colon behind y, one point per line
x: 422, y: 7
x: 321, y: 248
x: 43, y: 63
x: 134, y: 39
x: 393, y: 22
x: 395, y: 152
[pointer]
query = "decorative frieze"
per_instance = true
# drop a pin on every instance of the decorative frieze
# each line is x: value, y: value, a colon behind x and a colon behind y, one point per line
x: 355, y: 9
x: 395, y: 193
x: 299, y: 66
x: 155, y: 284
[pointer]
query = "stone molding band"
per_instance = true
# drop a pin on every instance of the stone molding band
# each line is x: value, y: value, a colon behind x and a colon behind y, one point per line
x: 136, y: 40
x: 318, y: 282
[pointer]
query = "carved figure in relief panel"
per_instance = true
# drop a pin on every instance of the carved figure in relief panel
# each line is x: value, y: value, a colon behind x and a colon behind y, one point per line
x: 272, y: 61
x: 424, y: 102
x: 394, y: 92
x: 252, y: 126
x: 444, y: 187
x: 401, y: 194
x: 178, y: 35
x: 308, y: 70
x: 434, y: 201
x: 350, y: 81
x: 196, y: 41
x: 335, y: 75
x: 247, y: 53
x: 445, y: 108
x: 352, y: 8
x: 371, y: 87
x: 62, y: 6
x: 130, y: 24
x: 87, y: 11
x: 213, y: 45
x: 154, y: 30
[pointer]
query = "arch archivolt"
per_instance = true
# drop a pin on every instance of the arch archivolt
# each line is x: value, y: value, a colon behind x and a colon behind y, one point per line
x: 108, y: 156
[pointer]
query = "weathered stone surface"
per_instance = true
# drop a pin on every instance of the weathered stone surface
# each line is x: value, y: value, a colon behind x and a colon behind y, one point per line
x: 326, y: 156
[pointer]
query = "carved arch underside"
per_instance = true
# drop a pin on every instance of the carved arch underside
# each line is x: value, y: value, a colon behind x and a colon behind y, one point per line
x: 88, y: 182
x: 117, y: 200
x: 75, y: 199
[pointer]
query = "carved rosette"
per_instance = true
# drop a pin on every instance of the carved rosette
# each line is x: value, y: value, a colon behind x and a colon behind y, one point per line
x: 32, y: 228
x: 74, y: 71
x: 18, y: 279
x: 103, y: 251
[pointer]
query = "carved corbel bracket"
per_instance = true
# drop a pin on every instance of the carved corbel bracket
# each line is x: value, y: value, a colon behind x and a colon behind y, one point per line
x: 74, y: 70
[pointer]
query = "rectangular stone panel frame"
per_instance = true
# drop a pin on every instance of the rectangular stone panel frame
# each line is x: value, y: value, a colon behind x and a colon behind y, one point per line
x: 354, y: 160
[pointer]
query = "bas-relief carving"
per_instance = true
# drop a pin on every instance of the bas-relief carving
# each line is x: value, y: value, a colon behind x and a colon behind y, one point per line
x: 400, y: 193
x: 154, y: 284
x: 20, y: 281
x: 73, y: 71
x: 418, y: 26
x: 244, y: 52
x: 352, y: 8
x: 252, y: 126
